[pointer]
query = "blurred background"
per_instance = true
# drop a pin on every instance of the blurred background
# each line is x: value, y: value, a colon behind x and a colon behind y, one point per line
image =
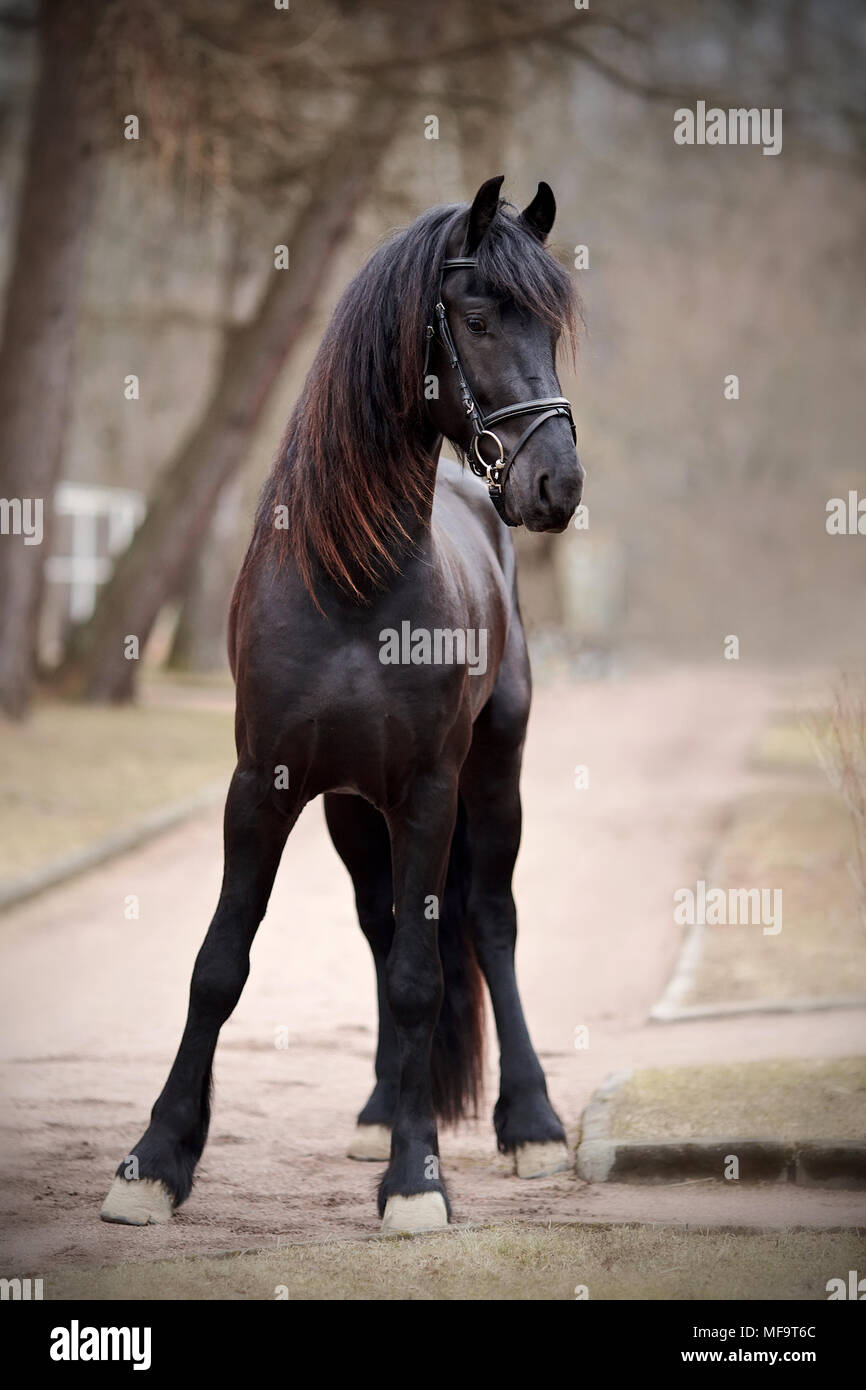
x: 155, y: 155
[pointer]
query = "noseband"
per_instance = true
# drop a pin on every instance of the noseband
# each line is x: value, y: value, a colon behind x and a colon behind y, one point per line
x: 544, y: 408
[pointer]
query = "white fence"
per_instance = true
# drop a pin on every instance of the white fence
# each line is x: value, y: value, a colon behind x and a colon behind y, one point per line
x: 101, y: 522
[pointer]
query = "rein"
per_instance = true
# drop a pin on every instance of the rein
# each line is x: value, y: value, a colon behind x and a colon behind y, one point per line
x: 544, y: 408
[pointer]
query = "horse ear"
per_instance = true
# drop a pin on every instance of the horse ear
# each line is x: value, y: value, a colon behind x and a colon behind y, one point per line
x: 482, y: 212
x: 539, y: 217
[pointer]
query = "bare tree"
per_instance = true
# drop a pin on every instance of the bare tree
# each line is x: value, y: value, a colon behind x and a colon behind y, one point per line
x: 150, y: 570
x: 38, y: 335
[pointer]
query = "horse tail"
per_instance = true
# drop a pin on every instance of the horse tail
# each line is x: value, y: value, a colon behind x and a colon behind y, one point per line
x: 458, y: 1042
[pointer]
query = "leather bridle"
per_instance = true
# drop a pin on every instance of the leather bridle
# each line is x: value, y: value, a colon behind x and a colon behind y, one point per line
x: 544, y: 408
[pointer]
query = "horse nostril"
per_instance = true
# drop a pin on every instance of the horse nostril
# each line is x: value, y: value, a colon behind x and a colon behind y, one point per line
x: 543, y: 492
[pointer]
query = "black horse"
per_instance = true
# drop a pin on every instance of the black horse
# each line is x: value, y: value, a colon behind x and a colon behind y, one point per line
x: 380, y: 660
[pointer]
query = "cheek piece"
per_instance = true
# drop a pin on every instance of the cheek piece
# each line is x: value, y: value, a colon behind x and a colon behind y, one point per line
x: 545, y: 408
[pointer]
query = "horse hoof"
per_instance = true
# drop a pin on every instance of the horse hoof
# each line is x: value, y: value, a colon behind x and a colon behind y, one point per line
x: 425, y: 1211
x: 540, y: 1160
x: 137, y: 1202
x: 371, y: 1144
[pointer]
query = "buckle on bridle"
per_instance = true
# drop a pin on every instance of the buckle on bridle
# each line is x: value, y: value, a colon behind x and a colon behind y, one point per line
x: 491, y: 472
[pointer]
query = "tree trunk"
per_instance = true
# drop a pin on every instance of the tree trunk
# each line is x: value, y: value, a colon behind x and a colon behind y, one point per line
x: 200, y: 638
x: 151, y: 570
x: 36, y: 356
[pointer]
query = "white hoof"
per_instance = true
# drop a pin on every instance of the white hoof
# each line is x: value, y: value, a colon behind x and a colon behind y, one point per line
x: 141, y: 1202
x: 425, y: 1211
x: 370, y: 1143
x: 540, y: 1160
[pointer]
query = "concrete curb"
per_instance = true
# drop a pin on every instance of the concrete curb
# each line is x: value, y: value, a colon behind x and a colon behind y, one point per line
x: 666, y: 1012
x: 147, y: 828
x: 601, y: 1157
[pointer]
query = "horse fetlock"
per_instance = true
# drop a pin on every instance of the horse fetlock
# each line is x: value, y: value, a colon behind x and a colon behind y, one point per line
x: 414, y: 1171
x: 370, y: 1143
x: 381, y: 1106
x: 163, y: 1159
x: 526, y: 1118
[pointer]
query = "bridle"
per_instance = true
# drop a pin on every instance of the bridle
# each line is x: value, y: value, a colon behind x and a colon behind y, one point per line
x: 544, y: 408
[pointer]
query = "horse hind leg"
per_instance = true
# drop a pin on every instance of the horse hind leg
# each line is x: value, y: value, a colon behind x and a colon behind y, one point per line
x: 360, y: 836
x: 157, y: 1176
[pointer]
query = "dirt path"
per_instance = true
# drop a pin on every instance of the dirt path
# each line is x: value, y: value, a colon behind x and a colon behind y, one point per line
x: 93, y: 1003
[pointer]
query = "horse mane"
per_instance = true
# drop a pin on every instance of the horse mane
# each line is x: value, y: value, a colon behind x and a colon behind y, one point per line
x: 353, y: 470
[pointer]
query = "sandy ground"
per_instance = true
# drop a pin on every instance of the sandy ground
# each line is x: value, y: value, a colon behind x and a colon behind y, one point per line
x: 93, y: 1003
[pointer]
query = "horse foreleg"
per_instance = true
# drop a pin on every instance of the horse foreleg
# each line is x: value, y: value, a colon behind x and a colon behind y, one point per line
x: 412, y: 1194
x: 360, y: 836
x: 158, y: 1173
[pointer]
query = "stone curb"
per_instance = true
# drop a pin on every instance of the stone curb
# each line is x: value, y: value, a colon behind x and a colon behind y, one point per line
x: 601, y: 1157
x: 147, y: 828
x: 664, y: 1012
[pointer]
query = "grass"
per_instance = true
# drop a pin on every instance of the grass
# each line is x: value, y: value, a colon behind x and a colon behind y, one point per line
x: 507, y: 1262
x: 748, y: 1100
x: 788, y: 745
x: 840, y: 743
x: 73, y: 774
x: 833, y: 739
x: 797, y: 838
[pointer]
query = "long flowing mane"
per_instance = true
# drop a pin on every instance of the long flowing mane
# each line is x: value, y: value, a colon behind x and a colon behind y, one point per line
x: 353, y: 470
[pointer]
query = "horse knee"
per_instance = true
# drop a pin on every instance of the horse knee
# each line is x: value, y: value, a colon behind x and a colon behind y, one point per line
x: 415, y: 990
x: 217, y: 982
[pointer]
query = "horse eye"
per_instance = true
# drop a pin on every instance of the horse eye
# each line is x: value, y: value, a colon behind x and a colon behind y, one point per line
x: 476, y: 325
